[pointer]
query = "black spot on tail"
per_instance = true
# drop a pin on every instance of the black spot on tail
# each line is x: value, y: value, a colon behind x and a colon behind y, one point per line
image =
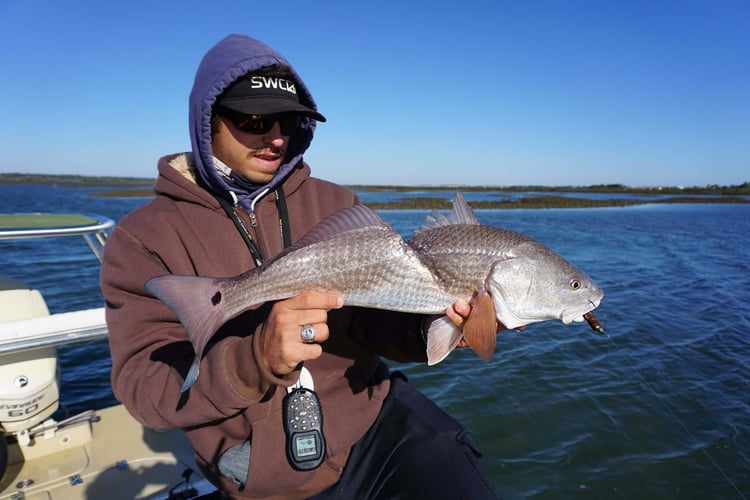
x: 216, y: 298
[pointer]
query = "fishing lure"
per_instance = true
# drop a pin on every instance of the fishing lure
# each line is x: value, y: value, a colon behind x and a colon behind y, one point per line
x: 593, y: 322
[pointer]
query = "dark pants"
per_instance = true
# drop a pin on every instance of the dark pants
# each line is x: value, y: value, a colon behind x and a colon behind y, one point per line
x: 414, y: 450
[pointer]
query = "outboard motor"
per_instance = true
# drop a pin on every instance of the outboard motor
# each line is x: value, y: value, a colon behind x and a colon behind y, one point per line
x: 29, y: 380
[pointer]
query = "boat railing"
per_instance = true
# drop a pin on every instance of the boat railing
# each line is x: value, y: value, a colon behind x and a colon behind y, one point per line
x: 62, y: 328
x: 93, y: 228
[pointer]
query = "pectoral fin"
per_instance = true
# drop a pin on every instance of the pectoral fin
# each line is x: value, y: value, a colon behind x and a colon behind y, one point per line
x: 480, y: 329
x: 442, y: 338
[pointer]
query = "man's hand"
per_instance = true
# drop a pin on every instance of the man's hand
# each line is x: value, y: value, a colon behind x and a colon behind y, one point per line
x: 479, y: 323
x: 458, y: 313
x: 283, y: 347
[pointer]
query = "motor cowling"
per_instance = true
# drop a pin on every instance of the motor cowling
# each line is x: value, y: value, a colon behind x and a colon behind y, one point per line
x: 29, y: 391
x: 29, y: 380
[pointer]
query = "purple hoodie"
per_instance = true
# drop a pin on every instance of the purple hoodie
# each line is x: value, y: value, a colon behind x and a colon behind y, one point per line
x: 228, y: 60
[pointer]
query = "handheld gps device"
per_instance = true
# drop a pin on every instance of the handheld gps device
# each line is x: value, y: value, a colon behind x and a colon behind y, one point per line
x: 303, y: 425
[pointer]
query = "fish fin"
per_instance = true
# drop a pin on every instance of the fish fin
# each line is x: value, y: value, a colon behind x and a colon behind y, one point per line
x: 192, y: 374
x: 442, y: 338
x: 480, y: 330
x: 461, y: 214
x: 347, y: 219
x: 197, y: 302
x: 433, y: 220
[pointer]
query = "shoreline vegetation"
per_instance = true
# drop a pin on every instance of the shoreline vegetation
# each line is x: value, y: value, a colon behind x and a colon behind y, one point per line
x: 518, y: 196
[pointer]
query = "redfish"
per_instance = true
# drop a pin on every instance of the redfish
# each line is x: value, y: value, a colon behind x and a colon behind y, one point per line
x: 511, y: 279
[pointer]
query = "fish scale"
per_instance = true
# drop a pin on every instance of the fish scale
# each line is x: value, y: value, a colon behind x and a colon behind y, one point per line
x: 371, y: 267
x: 462, y: 255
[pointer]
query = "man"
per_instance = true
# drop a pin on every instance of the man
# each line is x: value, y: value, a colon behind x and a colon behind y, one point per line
x: 243, y: 195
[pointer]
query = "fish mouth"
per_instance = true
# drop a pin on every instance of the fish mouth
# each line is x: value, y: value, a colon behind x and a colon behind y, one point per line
x: 578, y: 314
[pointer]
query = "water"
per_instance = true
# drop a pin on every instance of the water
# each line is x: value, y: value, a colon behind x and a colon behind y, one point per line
x: 660, y: 408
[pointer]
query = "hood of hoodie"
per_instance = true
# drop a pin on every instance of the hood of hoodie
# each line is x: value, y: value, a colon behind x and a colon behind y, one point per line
x: 225, y: 62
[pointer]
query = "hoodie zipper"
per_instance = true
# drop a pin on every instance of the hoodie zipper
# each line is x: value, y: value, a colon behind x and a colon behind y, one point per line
x: 246, y: 236
x: 253, y: 220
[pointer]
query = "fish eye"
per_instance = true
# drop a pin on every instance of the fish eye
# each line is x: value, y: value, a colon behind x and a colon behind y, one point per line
x: 574, y: 284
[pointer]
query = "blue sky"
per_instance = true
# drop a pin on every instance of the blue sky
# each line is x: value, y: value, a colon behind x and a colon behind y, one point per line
x: 472, y: 92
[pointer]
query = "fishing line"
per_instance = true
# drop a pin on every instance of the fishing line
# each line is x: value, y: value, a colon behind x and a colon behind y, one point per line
x: 674, y: 415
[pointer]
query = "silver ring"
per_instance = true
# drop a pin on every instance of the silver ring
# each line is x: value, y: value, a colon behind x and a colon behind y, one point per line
x: 307, y: 332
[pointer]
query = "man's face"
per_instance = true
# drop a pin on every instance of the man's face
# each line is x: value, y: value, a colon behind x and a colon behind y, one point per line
x: 256, y: 157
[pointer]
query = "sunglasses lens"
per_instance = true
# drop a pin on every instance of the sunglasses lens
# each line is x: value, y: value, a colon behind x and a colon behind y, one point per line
x: 289, y: 123
x: 255, y: 124
x: 262, y: 124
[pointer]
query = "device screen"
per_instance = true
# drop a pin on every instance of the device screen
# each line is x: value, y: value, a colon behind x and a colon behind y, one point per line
x: 306, y: 445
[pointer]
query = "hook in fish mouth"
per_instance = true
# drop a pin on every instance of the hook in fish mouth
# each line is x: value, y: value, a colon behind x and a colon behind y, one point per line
x: 593, y: 322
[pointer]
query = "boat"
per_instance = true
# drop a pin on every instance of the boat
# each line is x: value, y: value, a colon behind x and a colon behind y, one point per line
x: 97, y: 453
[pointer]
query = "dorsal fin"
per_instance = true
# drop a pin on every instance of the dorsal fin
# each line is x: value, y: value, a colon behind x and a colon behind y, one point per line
x: 433, y: 220
x: 461, y: 214
x: 347, y: 219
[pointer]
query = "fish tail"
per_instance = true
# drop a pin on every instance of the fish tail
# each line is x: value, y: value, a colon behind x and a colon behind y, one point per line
x: 198, y: 303
x: 442, y: 338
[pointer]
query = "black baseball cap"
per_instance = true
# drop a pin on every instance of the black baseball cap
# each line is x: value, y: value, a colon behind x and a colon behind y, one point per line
x: 265, y: 95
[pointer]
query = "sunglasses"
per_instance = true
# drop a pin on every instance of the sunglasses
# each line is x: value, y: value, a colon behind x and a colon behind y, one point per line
x: 262, y: 124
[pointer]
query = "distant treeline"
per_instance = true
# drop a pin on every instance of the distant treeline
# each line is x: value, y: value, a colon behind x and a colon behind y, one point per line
x: 119, y: 187
x: 105, y: 181
x: 78, y: 180
x: 429, y: 203
x: 713, y: 189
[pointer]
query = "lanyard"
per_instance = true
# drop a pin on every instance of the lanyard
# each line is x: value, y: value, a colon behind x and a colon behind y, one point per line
x: 284, y: 231
x: 306, y: 448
